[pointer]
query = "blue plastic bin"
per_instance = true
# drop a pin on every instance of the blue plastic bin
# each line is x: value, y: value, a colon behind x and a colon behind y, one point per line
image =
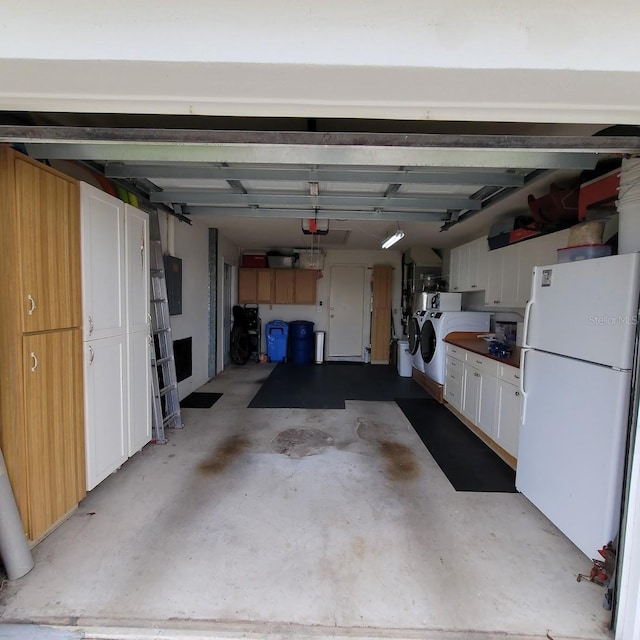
x: 277, y: 332
x: 301, y: 341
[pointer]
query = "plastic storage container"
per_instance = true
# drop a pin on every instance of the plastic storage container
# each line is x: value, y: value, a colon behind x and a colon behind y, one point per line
x: 301, y: 341
x: 254, y: 260
x: 404, y: 359
x: 280, y: 262
x: 277, y: 332
x: 583, y: 252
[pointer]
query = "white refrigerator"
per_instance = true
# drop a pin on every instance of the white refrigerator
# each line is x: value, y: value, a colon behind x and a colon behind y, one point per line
x: 576, y: 361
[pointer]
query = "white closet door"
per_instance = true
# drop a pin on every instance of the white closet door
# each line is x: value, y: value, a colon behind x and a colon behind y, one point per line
x: 137, y: 269
x: 103, y: 264
x: 105, y: 375
x: 139, y: 391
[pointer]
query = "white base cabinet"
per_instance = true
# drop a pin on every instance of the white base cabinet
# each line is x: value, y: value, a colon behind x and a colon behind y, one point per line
x: 139, y: 369
x: 105, y: 376
x: 487, y: 393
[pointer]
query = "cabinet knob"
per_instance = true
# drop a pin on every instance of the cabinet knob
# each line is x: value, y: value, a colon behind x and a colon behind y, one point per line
x: 474, y: 286
x: 517, y: 393
x: 32, y: 306
x: 35, y: 361
x: 91, y: 354
x: 90, y: 325
x: 477, y: 375
x: 496, y: 302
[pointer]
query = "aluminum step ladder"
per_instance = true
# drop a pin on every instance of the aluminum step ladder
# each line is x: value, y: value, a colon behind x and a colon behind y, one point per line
x: 166, y: 404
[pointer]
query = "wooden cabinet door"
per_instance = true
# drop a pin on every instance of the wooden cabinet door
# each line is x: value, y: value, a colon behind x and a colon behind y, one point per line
x: 284, y: 286
x: 264, y: 286
x: 493, y: 292
x: 305, y: 286
x: 139, y: 371
x: 247, y: 286
x: 106, y: 402
x: 54, y: 426
x: 381, y: 314
x: 103, y: 264
x: 488, y: 405
x: 137, y: 269
x: 47, y: 209
x: 454, y: 270
x: 478, y: 265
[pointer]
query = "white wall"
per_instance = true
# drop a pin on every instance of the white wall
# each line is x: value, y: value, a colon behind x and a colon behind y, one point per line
x: 309, y: 58
x: 319, y: 315
x: 191, y: 244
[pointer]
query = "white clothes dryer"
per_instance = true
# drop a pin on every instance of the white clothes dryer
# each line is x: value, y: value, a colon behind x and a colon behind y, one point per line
x: 415, y: 327
x: 436, y: 326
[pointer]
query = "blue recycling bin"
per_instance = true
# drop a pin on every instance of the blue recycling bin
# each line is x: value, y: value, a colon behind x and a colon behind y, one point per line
x: 301, y: 341
x: 277, y: 332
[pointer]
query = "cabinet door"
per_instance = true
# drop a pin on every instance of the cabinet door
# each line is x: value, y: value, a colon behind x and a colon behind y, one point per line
x: 283, y: 286
x: 509, y: 403
x: 105, y: 366
x: 510, y: 275
x: 471, y: 392
x: 139, y: 371
x: 264, y: 286
x: 493, y: 292
x: 247, y: 286
x: 488, y: 405
x: 453, y: 382
x: 464, y: 267
x: 305, y: 286
x: 103, y: 264
x: 54, y: 426
x: 454, y: 270
x: 478, y: 265
x: 137, y: 269
x: 47, y: 211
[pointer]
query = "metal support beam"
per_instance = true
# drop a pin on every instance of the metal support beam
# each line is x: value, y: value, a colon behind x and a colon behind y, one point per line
x: 345, y: 174
x: 410, y: 216
x: 228, y: 199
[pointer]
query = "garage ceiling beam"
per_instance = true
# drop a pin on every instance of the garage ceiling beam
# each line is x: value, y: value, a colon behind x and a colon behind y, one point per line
x: 225, y: 198
x: 329, y: 214
x: 442, y: 176
x: 301, y: 154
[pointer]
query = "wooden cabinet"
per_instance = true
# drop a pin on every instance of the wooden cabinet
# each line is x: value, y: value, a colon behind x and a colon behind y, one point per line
x: 115, y: 259
x: 55, y: 448
x: 454, y: 377
x: 41, y: 386
x: 306, y: 281
x: 381, y: 313
x: 509, y: 402
x: 471, y: 392
x: 454, y: 270
x: 277, y: 286
x: 46, y: 207
x: 284, y: 286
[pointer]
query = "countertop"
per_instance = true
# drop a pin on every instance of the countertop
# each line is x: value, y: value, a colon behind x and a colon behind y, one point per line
x: 469, y: 340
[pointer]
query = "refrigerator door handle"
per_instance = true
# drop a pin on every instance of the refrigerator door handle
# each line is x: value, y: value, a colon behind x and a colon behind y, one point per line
x: 527, y: 319
x: 523, y: 377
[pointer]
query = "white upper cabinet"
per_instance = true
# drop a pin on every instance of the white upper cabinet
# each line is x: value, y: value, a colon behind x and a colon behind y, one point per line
x: 137, y: 269
x: 103, y: 265
x: 468, y: 266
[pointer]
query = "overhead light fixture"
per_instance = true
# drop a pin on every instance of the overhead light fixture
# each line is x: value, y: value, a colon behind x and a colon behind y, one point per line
x: 392, y: 239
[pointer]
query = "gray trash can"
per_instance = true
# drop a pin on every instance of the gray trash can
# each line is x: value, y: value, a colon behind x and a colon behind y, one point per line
x: 404, y: 359
x: 319, y: 347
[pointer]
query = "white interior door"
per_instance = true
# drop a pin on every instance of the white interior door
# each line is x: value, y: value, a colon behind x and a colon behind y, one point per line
x: 346, y: 309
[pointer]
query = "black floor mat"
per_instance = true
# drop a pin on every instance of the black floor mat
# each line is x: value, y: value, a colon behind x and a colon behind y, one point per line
x: 296, y: 386
x: 201, y: 400
x: 466, y: 461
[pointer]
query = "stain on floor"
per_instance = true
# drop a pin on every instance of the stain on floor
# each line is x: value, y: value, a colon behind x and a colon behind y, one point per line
x: 400, y: 461
x: 299, y: 443
x: 375, y: 431
x: 224, y: 454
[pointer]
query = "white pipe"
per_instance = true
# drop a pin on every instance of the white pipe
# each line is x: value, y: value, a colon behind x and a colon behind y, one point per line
x: 14, y: 549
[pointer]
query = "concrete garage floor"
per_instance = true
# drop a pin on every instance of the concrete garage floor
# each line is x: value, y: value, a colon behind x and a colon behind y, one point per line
x: 218, y: 535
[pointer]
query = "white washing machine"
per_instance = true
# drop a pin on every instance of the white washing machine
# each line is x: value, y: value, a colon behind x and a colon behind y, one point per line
x: 436, y: 325
x: 415, y: 327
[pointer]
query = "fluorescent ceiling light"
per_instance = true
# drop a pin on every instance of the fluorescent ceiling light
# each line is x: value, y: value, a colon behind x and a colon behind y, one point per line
x: 391, y: 240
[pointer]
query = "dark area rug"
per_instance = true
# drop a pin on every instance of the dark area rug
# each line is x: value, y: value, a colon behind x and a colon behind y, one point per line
x: 201, y: 400
x: 327, y: 386
x: 466, y: 461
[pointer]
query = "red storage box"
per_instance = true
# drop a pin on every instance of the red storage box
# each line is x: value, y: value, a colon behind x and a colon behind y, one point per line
x: 522, y: 234
x: 254, y: 260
